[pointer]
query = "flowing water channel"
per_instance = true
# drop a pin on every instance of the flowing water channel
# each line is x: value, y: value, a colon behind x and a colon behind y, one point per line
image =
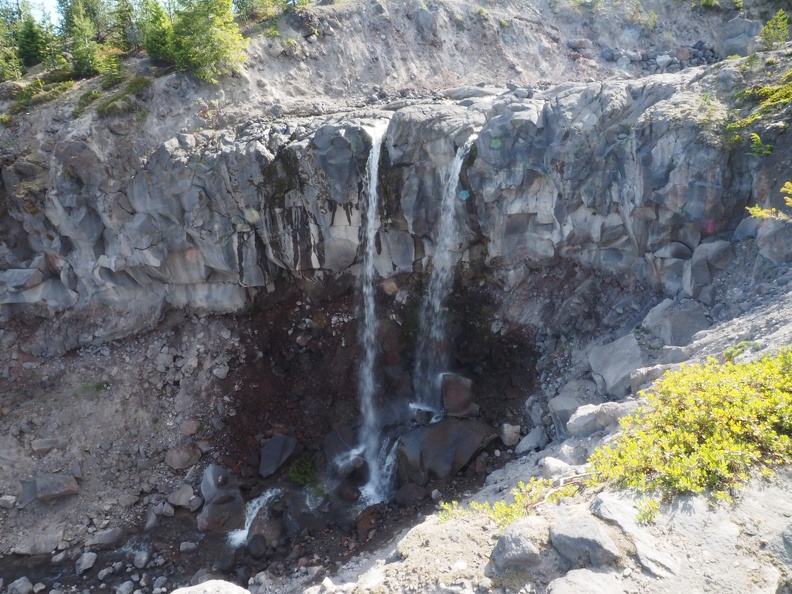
x: 431, y: 358
x: 376, y: 489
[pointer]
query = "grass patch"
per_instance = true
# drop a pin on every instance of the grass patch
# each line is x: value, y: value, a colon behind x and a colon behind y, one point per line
x: 84, y: 101
x: 704, y: 428
x: 38, y: 93
x: 124, y: 102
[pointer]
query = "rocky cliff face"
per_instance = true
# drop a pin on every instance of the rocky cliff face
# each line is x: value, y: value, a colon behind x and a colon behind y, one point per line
x: 623, y: 177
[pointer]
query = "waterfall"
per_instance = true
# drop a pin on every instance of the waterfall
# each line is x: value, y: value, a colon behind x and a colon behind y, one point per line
x: 431, y: 358
x: 376, y: 488
x: 236, y: 538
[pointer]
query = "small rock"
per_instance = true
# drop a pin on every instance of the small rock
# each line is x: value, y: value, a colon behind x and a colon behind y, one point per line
x: 182, y: 456
x: 181, y: 497
x: 187, y: 547
x: 126, y: 588
x: 141, y: 559
x: 536, y: 438
x: 220, y: 372
x: 85, y: 562
x: 510, y: 435
x: 7, y: 501
x: 20, y: 586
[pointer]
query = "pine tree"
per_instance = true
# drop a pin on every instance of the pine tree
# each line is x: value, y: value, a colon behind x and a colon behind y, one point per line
x: 30, y: 42
x: 10, y: 22
x: 206, y: 40
x: 85, y: 51
x: 52, y: 47
x: 124, y: 29
x: 158, y: 35
x: 776, y: 31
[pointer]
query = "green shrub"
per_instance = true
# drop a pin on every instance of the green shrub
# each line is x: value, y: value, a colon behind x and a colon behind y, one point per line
x: 38, y: 93
x: 526, y: 497
x: 303, y: 472
x: 704, y: 428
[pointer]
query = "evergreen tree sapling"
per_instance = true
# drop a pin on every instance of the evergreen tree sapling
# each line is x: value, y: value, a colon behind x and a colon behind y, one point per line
x: 206, y: 40
x: 158, y: 35
x: 30, y: 42
x: 85, y: 51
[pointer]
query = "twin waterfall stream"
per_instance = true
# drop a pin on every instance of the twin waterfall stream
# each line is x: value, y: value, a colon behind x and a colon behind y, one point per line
x: 432, y: 354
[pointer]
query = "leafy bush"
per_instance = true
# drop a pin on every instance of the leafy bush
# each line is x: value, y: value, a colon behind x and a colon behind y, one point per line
x: 704, y: 427
x: 526, y: 497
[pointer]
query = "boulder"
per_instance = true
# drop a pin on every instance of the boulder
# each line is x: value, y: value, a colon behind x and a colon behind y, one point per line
x: 458, y: 396
x: 536, y: 438
x: 181, y: 497
x: 675, y: 324
x: 85, y: 562
x: 609, y: 413
x: 20, y: 586
x: 40, y: 543
x: 52, y: 486
x: 410, y: 495
x: 774, y: 239
x: 614, y: 362
x: 224, y: 508
x: 583, y: 421
x: 521, y: 543
x: 570, y: 398
x: 738, y: 37
x: 182, y: 456
x: 581, y: 538
x: 440, y: 450
x: 44, y: 446
x: 277, y: 452
x: 643, y: 376
x: 553, y: 468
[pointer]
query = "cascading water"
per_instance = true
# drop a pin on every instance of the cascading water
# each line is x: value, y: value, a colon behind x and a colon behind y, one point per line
x: 376, y: 488
x: 237, y: 538
x: 431, y: 358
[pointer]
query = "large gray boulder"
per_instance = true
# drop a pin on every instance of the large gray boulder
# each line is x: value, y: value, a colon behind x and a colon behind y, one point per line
x: 53, y: 486
x: 614, y: 362
x: 521, y: 543
x: 278, y: 450
x: 440, y: 450
x: 738, y: 37
x: 224, y: 508
x: 676, y: 323
x: 581, y: 538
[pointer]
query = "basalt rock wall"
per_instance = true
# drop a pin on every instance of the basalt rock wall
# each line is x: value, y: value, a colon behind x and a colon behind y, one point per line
x: 622, y: 177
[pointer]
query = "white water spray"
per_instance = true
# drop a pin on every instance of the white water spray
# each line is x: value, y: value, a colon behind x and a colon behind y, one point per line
x: 431, y: 358
x: 237, y: 538
x: 376, y: 488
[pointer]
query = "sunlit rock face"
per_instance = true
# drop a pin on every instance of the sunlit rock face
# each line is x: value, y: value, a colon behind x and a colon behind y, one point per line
x: 621, y: 177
